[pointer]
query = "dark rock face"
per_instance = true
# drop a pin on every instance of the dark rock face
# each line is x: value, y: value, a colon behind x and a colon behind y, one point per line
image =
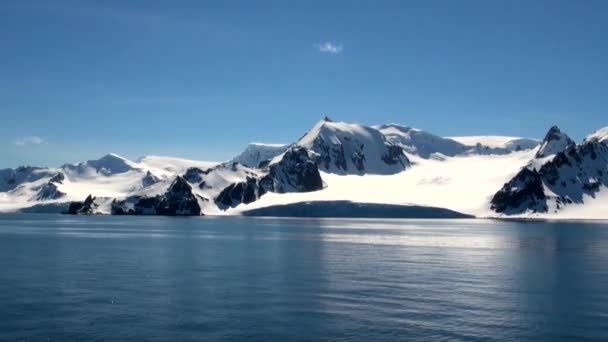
x: 49, y: 191
x: 237, y: 193
x: 327, y: 152
x: 83, y: 208
x: 295, y: 172
x: 178, y: 200
x: 395, y: 155
x: 524, y: 191
x: 149, y: 179
x: 11, y: 178
x: 58, y: 178
x: 578, y: 171
x: 194, y: 175
x: 332, y: 157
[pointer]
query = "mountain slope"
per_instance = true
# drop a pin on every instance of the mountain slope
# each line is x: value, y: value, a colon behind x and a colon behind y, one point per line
x: 384, y: 165
x: 421, y: 143
x: 574, y: 176
x: 257, y: 153
x: 344, y: 148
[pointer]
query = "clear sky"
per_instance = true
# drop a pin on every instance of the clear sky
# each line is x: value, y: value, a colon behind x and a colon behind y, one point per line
x: 201, y: 79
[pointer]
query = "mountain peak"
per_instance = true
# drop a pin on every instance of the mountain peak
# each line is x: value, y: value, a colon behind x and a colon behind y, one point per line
x: 555, y: 141
x: 351, y: 148
x: 109, y: 164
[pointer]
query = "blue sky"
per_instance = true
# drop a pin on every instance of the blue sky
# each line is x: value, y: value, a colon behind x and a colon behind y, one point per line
x: 201, y: 79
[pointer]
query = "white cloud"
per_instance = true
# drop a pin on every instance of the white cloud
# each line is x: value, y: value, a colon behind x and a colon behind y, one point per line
x: 26, y: 141
x: 329, y: 47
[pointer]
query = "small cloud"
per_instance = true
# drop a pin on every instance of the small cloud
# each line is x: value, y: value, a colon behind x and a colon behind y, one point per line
x: 329, y: 47
x: 27, y: 141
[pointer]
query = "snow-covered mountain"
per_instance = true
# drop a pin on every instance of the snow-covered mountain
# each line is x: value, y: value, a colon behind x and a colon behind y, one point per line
x: 555, y: 141
x: 257, y: 153
x: 562, y: 174
x: 336, y: 161
x: 427, y: 145
x: 345, y: 148
x: 421, y: 143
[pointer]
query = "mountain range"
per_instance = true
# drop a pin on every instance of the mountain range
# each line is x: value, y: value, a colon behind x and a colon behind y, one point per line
x: 337, y: 163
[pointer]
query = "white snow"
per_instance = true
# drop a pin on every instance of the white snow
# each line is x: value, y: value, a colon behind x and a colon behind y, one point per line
x: 419, y: 142
x: 600, y: 135
x: 463, y: 183
x: 351, y: 141
x: 256, y: 153
x: 165, y: 166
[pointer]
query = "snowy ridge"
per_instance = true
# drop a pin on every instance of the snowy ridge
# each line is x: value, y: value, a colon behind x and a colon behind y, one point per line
x: 424, y: 144
x: 561, y: 175
x: 555, y: 141
x: 257, y: 153
x: 336, y: 161
x: 601, y: 135
x: 345, y: 148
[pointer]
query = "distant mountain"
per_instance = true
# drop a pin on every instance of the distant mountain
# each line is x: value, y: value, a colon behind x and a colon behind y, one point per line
x: 421, y: 143
x: 257, y: 153
x: 107, y: 165
x: 387, y: 166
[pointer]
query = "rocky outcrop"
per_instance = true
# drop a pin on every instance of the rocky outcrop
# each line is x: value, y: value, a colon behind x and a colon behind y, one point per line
x: 12, y: 178
x: 523, y: 192
x: 194, y: 175
x: 49, y: 191
x: 554, y: 142
x: 58, y: 178
x: 294, y: 172
x: 579, y: 171
x: 149, y: 179
x: 83, y: 208
x: 178, y: 200
x: 242, y: 192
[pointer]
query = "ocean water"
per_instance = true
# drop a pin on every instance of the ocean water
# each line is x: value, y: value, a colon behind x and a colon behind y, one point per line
x: 155, y: 278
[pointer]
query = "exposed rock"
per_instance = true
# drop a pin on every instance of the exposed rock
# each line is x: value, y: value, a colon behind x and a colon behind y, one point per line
x: 523, y: 192
x: 194, y: 175
x: 578, y: 171
x: 149, y: 179
x: 242, y: 192
x: 178, y: 200
x: 49, y: 191
x: 12, y: 178
x: 294, y: 172
x: 83, y: 208
x: 353, y: 149
x: 58, y: 178
x: 555, y: 141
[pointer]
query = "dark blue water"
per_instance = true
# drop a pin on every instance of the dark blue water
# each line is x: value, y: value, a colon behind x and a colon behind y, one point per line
x: 118, y: 278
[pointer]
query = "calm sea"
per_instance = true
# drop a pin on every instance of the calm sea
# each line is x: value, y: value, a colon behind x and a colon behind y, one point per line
x: 154, y: 278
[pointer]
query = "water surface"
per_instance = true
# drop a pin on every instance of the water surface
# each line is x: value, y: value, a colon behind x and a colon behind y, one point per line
x: 156, y: 278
